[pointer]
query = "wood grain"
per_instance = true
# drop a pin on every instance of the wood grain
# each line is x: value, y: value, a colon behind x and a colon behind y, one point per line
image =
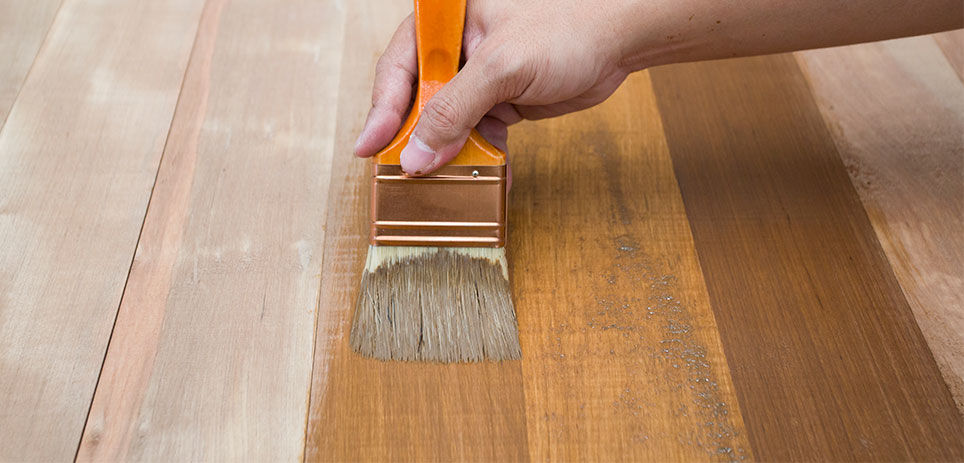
x: 211, y: 355
x: 368, y: 410
x: 826, y: 356
x: 622, y: 358
x: 23, y: 27
x: 78, y: 156
x: 896, y: 113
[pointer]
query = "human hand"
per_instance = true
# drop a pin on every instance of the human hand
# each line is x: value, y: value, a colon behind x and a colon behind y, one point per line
x: 523, y: 60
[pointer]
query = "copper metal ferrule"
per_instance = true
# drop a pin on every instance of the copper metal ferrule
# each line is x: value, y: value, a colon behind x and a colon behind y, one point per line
x: 455, y: 206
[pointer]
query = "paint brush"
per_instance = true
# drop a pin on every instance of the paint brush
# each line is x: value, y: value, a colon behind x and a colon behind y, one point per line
x: 436, y: 282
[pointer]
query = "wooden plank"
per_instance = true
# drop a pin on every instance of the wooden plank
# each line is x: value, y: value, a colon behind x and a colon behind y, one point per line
x: 896, y: 113
x: 588, y: 387
x: 23, y: 27
x: 78, y: 157
x: 622, y: 358
x: 952, y: 44
x: 211, y: 355
x: 364, y: 409
x: 827, y: 359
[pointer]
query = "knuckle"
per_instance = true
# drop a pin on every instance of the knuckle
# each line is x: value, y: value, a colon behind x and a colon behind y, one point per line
x: 442, y: 113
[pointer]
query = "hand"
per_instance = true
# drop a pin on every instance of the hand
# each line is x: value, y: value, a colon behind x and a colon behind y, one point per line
x: 523, y: 60
x: 532, y: 59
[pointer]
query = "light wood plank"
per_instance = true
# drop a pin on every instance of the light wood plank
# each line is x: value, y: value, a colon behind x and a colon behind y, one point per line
x: 211, y: 356
x: 78, y: 157
x: 828, y: 361
x: 364, y: 409
x: 896, y: 113
x: 23, y: 27
x: 622, y: 358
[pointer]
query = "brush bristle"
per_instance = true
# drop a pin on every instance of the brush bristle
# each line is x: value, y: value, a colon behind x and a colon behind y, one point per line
x: 435, y: 304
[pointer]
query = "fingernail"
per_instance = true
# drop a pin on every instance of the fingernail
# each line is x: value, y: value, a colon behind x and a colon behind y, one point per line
x: 417, y: 157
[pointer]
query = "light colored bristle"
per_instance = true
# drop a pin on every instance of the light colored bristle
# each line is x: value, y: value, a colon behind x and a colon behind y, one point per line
x: 435, y: 304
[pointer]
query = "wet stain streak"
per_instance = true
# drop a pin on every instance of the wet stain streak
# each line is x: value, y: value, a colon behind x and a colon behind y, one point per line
x: 654, y: 307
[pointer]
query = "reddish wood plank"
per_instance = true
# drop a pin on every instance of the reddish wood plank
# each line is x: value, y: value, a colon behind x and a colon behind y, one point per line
x: 827, y: 359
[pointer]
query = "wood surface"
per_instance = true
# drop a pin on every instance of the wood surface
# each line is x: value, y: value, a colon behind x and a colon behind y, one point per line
x: 23, y: 27
x: 900, y: 133
x: 78, y: 156
x: 696, y: 275
x: 211, y: 355
x: 827, y: 359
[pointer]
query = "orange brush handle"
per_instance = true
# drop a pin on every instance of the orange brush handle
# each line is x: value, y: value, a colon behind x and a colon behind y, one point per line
x: 438, y: 34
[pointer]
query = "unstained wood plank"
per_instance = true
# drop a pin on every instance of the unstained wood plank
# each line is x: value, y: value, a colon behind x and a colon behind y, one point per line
x: 826, y: 356
x: 23, y: 27
x: 211, y: 355
x: 622, y: 360
x: 369, y: 410
x: 78, y: 156
x: 895, y: 110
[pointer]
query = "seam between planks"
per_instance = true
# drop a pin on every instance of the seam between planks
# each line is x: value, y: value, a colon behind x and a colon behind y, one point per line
x: 160, y: 162
x: 324, y: 256
x: 43, y: 43
x: 324, y: 249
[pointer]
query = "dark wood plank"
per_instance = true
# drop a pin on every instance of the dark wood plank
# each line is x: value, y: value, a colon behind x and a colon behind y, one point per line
x: 827, y: 359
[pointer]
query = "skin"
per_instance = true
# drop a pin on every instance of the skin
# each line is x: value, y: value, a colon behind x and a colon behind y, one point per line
x: 534, y: 59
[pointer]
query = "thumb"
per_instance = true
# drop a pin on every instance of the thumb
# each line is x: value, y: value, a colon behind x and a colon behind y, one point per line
x: 447, y: 118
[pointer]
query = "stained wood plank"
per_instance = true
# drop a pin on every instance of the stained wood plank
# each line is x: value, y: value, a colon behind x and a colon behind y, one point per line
x: 622, y: 358
x: 78, y: 157
x: 827, y: 359
x: 23, y: 27
x: 367, y: 410
x: 952, y: 44
x: 211, y: 355
x: 618, y: 386
x: 895, y: 110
